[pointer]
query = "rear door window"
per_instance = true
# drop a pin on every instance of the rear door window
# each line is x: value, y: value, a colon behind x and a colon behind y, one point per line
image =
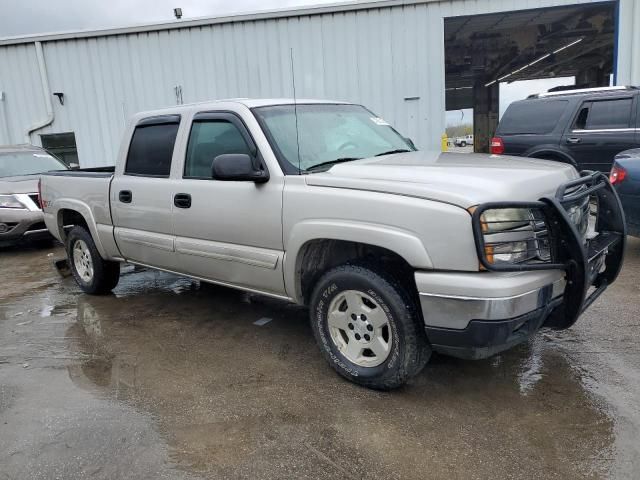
x: 151, y: 147
x: 536, y: 117
x: 608, y: 114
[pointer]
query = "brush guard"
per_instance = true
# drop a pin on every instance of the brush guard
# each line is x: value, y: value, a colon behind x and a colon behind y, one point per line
x: 590, y: 264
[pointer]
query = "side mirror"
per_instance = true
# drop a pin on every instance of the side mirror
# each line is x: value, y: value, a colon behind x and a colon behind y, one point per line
x: 237, y: 167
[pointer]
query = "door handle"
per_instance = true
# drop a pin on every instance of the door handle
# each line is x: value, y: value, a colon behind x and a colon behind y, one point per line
x: 125, y: 196
x: 182, y: 200
x: 573, y: 140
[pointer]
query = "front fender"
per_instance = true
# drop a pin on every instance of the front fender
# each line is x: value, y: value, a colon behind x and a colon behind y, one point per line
x: 401, y: 242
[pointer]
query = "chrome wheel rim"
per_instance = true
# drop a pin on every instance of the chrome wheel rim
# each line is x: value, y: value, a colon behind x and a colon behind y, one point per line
x: 82, y: 261
x: 359, y: 328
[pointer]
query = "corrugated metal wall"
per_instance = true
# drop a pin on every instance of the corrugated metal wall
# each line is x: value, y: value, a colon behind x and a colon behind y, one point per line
x: 390, y: 59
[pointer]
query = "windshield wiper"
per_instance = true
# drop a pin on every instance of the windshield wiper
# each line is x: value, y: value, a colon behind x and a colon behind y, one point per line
x: 398, y: 150
x: 320, y: 166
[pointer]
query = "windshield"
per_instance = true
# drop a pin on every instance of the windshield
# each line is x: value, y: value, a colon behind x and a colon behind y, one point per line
x: 328, y: 134
x: 14, y: 164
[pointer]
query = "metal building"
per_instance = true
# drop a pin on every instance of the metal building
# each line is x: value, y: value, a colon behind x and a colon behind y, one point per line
x: 73, y: 91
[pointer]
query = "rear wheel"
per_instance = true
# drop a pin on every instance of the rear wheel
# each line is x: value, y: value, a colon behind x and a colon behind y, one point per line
x: 367, y: 327
x: 463, y: 144
x: 92, y: 273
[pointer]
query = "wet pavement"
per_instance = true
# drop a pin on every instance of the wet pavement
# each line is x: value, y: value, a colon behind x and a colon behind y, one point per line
x: 168, y: 378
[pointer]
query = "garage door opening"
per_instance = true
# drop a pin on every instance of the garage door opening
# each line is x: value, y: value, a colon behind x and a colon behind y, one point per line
x: 564, y: 47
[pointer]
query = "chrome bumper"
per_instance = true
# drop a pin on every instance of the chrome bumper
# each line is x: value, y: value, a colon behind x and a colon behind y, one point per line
x: 496, y: 312
x: 19, y: 224
x: 452, y: 300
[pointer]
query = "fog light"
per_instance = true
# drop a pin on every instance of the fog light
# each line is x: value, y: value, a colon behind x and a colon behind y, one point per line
x: 4, y: 228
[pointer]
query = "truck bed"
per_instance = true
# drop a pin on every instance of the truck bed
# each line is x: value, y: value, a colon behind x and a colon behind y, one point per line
x: 85, y: 191
x: 96, y: 172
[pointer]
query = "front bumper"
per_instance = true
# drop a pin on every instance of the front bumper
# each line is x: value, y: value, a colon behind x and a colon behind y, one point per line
x: 479, y: 314
x: 498, y: 310
x: 18, y: 225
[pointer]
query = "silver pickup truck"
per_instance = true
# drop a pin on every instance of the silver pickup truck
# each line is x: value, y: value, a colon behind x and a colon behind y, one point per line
x: 396, y: 252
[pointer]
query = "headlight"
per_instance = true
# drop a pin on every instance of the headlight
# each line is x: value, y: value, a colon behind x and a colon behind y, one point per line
x: 514, y: 235
x: 11, y: 201
x: 501, y: 219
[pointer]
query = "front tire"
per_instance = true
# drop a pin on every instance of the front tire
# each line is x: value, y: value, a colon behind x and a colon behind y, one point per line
x: 367, y: 327
x: 92, y: 273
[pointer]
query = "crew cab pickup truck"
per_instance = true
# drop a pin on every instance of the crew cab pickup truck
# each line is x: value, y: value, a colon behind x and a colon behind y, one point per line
x: 396, y: 252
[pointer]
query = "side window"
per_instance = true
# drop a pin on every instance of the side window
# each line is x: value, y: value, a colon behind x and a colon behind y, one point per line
x: 606, y: 114
x: 581, y: 119
x: 208, y: 139
x: 151, y: 150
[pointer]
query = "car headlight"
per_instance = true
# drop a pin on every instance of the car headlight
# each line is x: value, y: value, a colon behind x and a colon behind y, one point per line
x: 514, y: 235
x: 11, y: 201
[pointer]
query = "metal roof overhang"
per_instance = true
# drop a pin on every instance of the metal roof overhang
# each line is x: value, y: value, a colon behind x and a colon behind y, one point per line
x: 525, y: 45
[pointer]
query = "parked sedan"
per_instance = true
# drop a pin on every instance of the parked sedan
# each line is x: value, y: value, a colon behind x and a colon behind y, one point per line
x: 625, y: 177
x: 20, y: 210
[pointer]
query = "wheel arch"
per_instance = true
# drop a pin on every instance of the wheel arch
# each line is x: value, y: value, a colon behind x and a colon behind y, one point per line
x: 74, y: 213
x: 316, y: 247
x: 548, y: 153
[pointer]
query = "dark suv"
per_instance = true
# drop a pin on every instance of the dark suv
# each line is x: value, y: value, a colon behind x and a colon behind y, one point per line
x: 586, y: 128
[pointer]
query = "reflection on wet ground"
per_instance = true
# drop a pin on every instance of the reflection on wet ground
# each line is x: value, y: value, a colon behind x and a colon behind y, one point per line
x: 168, y: 378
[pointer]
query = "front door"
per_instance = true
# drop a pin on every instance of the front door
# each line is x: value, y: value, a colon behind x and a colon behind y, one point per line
x: 228, y: 231
x: 600, y: 130
x: 141, y: 201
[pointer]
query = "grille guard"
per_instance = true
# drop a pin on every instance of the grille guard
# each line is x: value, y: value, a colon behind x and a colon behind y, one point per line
x: 581, y: 261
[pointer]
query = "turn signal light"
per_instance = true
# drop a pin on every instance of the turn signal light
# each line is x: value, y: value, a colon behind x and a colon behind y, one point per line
x: 496, y: 146
x: 617, y: 175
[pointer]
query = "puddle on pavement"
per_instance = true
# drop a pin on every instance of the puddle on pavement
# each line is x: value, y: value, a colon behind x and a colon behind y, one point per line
x: 235, y: 400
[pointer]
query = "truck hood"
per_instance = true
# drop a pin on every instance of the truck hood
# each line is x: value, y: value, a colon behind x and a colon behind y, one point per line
x: 463, y: 179
x: 21, y: 184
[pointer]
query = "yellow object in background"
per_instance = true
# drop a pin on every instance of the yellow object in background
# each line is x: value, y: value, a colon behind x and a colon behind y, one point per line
x: 445, y: 142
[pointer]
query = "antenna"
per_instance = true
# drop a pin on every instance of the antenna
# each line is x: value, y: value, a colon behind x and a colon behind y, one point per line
x: 295, y: 106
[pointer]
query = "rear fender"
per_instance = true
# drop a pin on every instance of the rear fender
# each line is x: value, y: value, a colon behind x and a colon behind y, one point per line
x: 84, y: 210
x: 550, y: 152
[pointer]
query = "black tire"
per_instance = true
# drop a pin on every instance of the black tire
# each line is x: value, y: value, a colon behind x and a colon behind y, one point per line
x: 106, y: 274
x: 409, y: 349
x: 463, y: 144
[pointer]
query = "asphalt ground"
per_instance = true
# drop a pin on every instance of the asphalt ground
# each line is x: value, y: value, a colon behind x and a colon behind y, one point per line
x: 170, y: 378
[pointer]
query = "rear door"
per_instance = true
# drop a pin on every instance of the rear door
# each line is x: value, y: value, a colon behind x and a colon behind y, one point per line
x: 601, y: 128
x: 228, y: 231
x: 141, y: 200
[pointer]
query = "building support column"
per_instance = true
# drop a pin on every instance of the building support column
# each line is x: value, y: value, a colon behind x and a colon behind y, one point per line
x: 486, y: 104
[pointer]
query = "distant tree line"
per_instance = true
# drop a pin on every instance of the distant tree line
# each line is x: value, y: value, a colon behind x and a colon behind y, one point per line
x: 459, y: 130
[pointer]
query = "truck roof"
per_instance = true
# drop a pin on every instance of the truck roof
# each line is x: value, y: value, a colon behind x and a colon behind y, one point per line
x: 248, y: 102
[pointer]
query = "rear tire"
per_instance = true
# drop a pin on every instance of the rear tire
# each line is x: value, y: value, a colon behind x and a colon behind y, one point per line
x: 367, y: 327
x: 92, y: 273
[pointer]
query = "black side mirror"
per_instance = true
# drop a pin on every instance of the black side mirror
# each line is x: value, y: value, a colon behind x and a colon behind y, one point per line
x: 238, y: 167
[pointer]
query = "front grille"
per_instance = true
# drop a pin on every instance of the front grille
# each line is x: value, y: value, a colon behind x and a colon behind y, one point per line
x: 36, y: 199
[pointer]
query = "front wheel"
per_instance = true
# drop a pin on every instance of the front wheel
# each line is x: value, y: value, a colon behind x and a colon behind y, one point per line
x: 92, y: 273
x: 367, y: 327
